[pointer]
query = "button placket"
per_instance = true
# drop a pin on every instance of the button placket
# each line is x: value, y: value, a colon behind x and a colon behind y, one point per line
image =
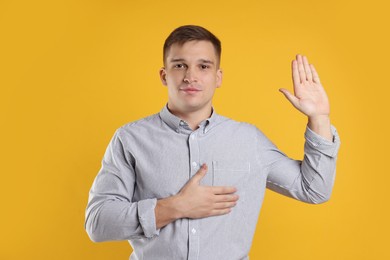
x: 194, y: 165
x: 193, y: 224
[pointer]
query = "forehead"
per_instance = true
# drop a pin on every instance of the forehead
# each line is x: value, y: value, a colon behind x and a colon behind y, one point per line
x: 192, y: 50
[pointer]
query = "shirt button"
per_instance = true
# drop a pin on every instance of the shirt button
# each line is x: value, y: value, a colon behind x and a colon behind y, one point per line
x: 194, y: 164
x: 181, y: 123
x: 193, y: 231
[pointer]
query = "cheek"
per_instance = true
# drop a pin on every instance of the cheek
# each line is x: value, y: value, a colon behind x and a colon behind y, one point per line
x: 213, y: 81
x: 175, y: 77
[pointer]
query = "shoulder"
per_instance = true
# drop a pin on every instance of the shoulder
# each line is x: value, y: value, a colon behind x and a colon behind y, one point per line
x: 244, y: 129
x: 139, y: 125
x: 235, y: 125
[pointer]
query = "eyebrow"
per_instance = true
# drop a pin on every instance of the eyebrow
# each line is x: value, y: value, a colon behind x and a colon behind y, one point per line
x: 206, y: 61
x: 201, y: 60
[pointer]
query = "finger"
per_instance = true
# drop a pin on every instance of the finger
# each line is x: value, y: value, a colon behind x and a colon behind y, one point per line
x: 316, y: 78
x: 200, y: 173
x: 301, y: 69
x: 293, y: 99
x: 295, y: 73
x: 225, y: 205
x: 218, y: 212
x: 306, y: 65
x: 220, y: 190
x: 226, y: 198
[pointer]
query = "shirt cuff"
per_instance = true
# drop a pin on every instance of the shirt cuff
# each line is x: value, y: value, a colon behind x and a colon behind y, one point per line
x: 321, y: 144
x: 147, y: 217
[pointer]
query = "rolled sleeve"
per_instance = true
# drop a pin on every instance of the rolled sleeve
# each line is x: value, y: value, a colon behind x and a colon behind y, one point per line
x: 310, y: 180
x: 321, y: 144
x: 147, y: 217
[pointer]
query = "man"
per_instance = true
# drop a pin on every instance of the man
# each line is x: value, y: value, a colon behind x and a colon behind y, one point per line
x: 187, y: 183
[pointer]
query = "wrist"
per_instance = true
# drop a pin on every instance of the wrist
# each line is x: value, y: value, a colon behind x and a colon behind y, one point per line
x: 167, y: 211
x: 319, y: 120
x: 176, y: 207
x: 321, y: 125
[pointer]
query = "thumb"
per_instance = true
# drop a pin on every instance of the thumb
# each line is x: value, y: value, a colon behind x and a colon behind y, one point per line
x: 293, y: 99
x: 200, y: 173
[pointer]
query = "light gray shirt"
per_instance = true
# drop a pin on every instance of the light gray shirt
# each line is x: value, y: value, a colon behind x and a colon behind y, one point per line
x: 154, y: 158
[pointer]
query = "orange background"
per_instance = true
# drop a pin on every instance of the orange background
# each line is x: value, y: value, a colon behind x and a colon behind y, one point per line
x: 71, y: 72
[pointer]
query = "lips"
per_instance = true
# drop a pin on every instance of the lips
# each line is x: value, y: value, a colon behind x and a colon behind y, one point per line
x: 190, y: 90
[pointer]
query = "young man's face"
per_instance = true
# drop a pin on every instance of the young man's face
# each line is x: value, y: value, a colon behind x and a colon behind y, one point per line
x: 191, y: 74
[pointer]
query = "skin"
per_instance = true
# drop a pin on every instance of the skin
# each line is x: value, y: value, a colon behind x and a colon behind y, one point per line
x: 192, y: 75
x: 310, y: 97
x: 195, y: 201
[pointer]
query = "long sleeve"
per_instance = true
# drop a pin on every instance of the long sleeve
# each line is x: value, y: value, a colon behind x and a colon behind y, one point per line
x: 111, y: 214
x: 310, y: 180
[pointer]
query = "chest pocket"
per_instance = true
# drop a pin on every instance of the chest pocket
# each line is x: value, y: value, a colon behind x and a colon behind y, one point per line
x: 230, y: 173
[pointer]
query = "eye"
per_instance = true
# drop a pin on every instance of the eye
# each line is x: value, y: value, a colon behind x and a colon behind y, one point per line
x: 179, y: 66
x: 203, y: 66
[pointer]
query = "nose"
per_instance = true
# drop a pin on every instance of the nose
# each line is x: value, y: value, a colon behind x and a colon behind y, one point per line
x: 190, y: 76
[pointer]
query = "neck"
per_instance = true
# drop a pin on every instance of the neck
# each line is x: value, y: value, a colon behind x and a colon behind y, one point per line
x: 193, y: 118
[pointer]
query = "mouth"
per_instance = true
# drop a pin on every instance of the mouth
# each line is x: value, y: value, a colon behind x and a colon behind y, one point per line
x: 190, y: 90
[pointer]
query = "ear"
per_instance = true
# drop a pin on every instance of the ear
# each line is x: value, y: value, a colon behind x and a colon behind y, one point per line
x: 163, y: 76
x: 219, y: 78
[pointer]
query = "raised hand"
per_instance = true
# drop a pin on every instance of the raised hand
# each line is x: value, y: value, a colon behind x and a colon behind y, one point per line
x: 309, y: 96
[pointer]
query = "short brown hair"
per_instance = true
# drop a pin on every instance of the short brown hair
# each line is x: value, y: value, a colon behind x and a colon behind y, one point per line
x: 188, y: 33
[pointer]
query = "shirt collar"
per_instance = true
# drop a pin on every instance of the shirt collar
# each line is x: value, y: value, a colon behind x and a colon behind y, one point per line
x: 176, y: 123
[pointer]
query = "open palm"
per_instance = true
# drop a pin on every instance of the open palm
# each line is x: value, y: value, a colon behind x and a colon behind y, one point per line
x: 309, y: 96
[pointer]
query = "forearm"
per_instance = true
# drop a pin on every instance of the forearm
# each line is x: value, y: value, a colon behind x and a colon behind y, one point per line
x: 318, y: 167
x: 317, y: 177
x: 167, y: 211
x: 111, y: 219
x: 321, y: 126
x: 310, y: 180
